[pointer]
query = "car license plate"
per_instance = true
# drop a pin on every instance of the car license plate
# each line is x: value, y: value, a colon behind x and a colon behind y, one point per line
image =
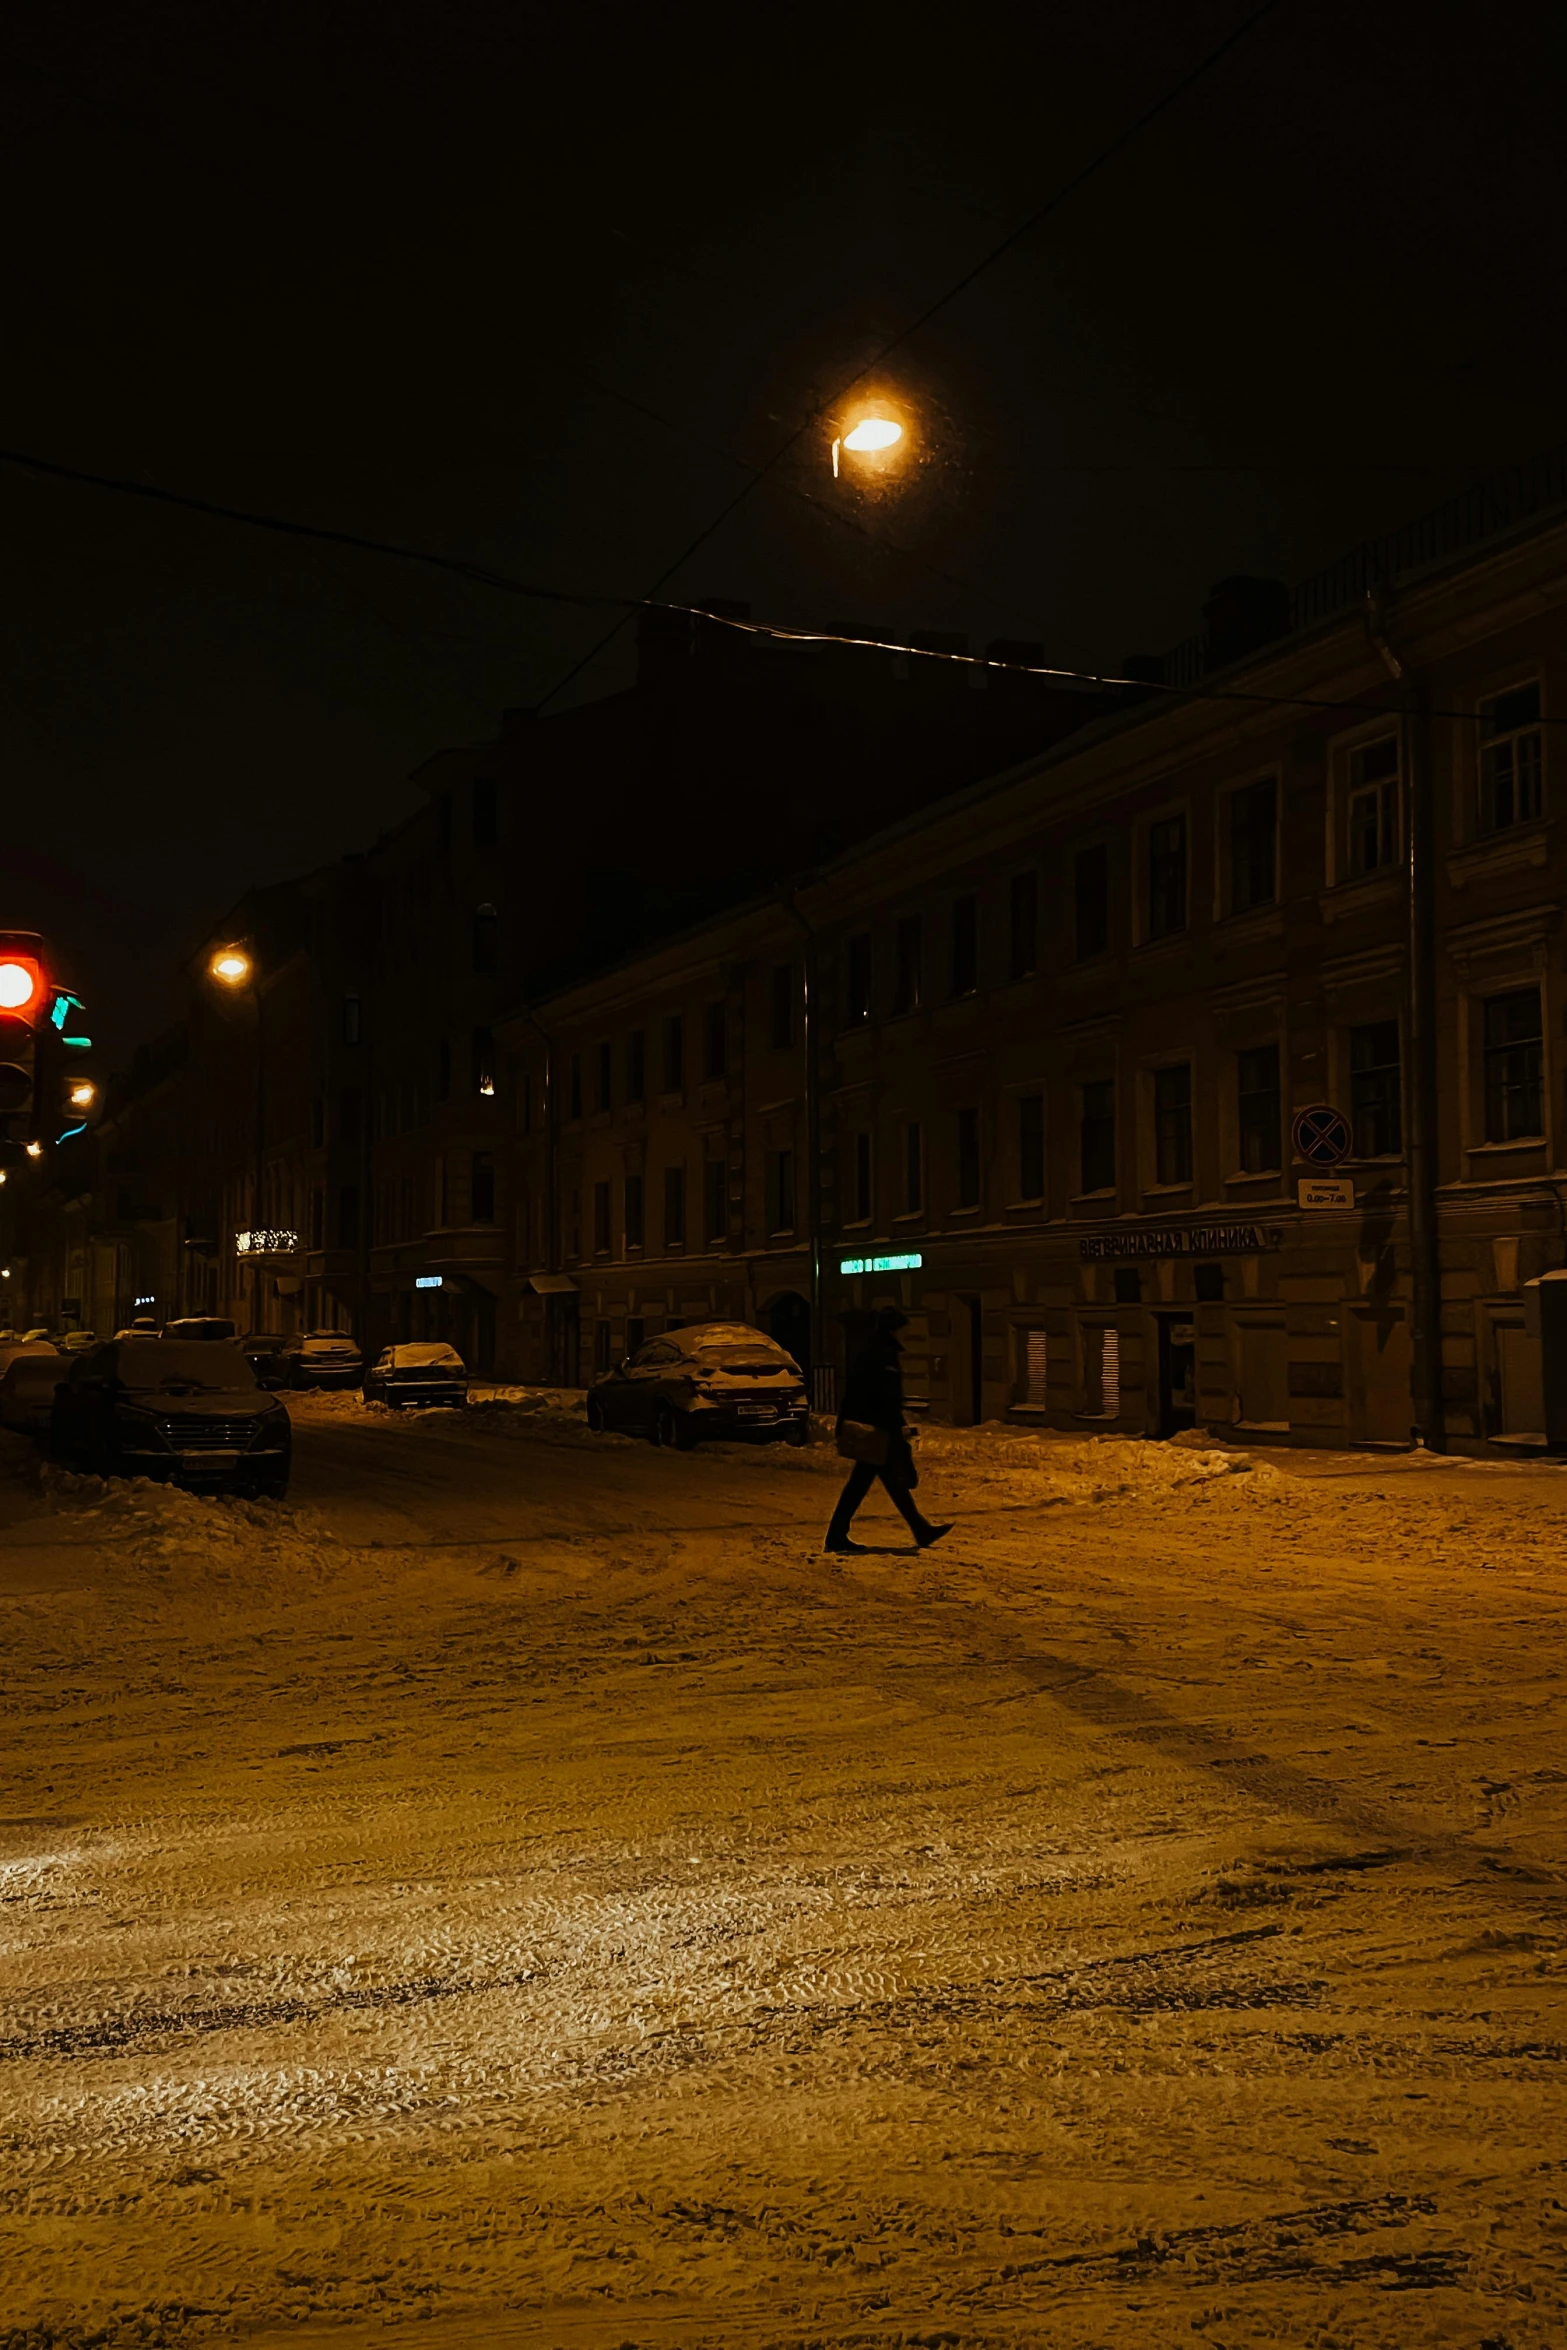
x: 759, y: 1411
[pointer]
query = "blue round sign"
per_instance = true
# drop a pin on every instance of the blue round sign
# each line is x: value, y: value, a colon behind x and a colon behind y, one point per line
x: 1322, y: 1135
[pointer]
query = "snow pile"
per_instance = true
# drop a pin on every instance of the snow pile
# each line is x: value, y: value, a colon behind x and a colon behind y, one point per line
x: 557, y: 1414
x: 158, y: 1527
x: 1019, y: 1464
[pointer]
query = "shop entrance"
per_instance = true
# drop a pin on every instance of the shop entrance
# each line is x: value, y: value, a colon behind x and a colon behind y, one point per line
x: 1520, y: 1380
x: 1177, y: 1373
x: 563, y: 1335
x: 966, y: 1361
x: 1381, y: 1409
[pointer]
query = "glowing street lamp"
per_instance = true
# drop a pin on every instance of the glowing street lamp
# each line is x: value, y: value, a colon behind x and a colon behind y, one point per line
x: 82, y: 1094
x: 35, y: 1150
x: 231, y: 965
x: 870, y: 437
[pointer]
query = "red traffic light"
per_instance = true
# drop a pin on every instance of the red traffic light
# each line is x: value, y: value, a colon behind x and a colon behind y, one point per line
x: 21, y: 983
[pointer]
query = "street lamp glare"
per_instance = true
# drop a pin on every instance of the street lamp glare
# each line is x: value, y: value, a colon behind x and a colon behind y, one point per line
x: 35, y: 1150
x: 231, y: 966
x: 84, y: 1094
x: 873, y: 432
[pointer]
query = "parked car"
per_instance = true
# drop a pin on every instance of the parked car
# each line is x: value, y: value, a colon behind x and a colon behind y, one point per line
x: 418, y: 1371
x: 78, y: 1342
x: 11, y: 1347
x: 323, y: 1358
x: 28, y: 1379
x: 187, y: 1411
x: 198, y: 1326
x: 263, y: 1350
x: 714, y: 1379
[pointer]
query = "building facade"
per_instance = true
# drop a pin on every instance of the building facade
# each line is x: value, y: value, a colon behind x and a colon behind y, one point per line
x: 1064, y: 1027
x: 1030, y: 1058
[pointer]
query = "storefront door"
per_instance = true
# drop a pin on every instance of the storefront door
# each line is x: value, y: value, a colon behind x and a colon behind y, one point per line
x: 1177, y: 1373
x: 1381, y: 1406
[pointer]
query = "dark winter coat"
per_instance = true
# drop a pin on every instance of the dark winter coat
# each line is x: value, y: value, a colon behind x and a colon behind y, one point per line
x: 873, y: 1388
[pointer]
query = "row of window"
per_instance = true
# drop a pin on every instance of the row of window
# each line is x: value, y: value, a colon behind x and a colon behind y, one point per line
x: 1512, y: 1055
x: 598, y: 1070
x: 1513, y: 1106
x: 1511, y: 772
x: 674, y: 1231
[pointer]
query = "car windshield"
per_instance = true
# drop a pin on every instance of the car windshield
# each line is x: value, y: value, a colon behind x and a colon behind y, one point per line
x: 417, y: 1356
x: 205, y: 1366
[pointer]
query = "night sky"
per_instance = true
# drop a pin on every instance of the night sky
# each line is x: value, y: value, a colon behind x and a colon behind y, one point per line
x: 534, y: 286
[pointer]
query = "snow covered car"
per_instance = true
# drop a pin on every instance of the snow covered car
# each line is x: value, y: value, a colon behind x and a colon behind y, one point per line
x: 198, y: 1326
x: 78, y: 1342
x: 323, y: 1358
x: 187, y: 1411
x: 714, y: 1379
x: 29, y: 1375
x: 418, y: 1372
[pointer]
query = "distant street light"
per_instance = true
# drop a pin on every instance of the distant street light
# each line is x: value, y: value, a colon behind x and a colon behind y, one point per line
x: 871, y: 436
x: 83, y: 1094
x: 231, y: 965
x: 35, y: 1150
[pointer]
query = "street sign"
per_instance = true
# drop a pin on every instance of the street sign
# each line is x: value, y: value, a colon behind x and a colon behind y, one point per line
x: 1322, y: 1135
x: 1325, y: 1191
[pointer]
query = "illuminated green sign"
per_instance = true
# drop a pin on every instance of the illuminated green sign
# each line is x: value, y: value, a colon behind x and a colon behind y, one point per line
x: 905, y: 1264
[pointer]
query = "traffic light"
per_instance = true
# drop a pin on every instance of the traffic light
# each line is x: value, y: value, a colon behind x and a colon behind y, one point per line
x: 24, y: 991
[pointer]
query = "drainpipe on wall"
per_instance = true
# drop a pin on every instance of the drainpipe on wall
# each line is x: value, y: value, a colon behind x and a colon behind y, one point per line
x: 1424, y: 1139
x: 1421, y: 1139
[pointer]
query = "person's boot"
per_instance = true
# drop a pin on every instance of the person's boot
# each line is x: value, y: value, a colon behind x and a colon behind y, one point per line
x: 837, y: 1540
x: 929, y: 1533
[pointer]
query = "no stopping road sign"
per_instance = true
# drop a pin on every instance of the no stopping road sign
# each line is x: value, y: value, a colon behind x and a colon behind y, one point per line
x: 1322, y: 1135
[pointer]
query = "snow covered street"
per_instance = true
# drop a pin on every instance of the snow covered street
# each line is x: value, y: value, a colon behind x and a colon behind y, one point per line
x: 521, y: 1886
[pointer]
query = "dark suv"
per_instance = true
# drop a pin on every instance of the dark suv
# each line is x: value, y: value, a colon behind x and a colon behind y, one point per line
x: 263, y: 1351
x: 187, y: 1411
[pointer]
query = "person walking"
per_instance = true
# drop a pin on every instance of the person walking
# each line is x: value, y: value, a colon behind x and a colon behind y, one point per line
x: 871, y: 1434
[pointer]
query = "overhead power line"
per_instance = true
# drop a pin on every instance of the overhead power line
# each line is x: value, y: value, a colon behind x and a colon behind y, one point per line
x: 777, y: 631
x: 960, y: 285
